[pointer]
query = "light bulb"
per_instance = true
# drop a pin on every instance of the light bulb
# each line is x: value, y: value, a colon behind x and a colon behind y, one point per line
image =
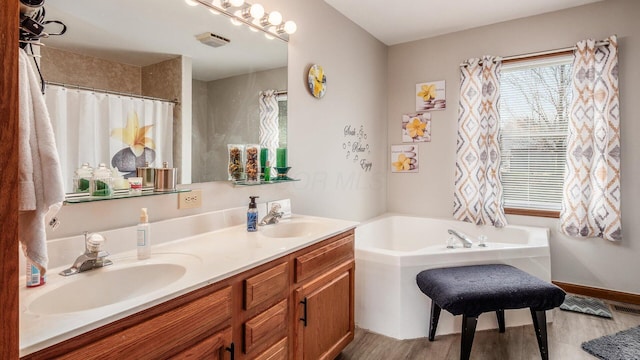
x: 191, y: 2
x: 236, y: 3
x: 270, y: 37
x: 214, y: 12
x: 257, y: 11
x: 290, y: 27
x: 275, y: 18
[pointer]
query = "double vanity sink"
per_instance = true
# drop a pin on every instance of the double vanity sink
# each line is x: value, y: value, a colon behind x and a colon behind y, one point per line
x: 71, y: 305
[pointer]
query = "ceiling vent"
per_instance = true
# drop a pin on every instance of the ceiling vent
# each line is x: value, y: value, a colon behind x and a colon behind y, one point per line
x: 212, y: 39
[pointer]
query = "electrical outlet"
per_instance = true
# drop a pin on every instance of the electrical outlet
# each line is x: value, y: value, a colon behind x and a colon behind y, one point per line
x: 190, y: 200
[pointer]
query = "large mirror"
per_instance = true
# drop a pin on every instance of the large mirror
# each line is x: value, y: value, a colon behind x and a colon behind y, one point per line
x: 150, y: 48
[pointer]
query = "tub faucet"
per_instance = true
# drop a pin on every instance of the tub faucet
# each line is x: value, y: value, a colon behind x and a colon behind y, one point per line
x: 466, y: 242
x: 92, y: 258
x: 273, y: 216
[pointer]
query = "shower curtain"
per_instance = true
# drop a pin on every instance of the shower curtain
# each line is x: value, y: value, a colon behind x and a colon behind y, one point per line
x: 591, y: 196
x: 269, y: 127
x: 478, y: 190
x: 121, y: 131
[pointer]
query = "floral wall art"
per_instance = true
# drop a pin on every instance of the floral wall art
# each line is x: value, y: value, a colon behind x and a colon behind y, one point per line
x: 416, y: 127
x: 404, y: 158
x: 431, y: 96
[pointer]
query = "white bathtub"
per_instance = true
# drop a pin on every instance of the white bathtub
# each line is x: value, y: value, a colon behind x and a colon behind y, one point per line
x: 392, y: 249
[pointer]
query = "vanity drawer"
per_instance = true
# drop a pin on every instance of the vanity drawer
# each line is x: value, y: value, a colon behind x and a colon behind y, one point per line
x: 278, y: 351
x: 324, y: 258
x: 269, y: 285
x: 266, y: 328
x: 161, y: 335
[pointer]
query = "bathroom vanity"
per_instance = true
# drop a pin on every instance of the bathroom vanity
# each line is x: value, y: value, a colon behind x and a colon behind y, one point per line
x: 292, y: 297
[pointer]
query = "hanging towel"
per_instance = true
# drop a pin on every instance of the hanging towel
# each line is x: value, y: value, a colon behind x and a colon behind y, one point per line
x: 41, y: 191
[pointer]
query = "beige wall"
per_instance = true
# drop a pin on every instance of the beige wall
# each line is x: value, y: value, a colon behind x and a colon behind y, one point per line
x: 75, y: 69
x: 331, y: 186
x: 592, y: 262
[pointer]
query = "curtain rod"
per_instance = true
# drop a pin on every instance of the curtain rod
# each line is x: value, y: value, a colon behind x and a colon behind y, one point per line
x: 80, y: 87
x: 549, y: 52
x: 543, y: 53
x: 280, y: 92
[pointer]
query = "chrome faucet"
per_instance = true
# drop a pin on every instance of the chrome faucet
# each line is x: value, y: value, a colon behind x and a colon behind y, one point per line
x: 273, y: 216
x: 466, y: 242
x: 92, y: 258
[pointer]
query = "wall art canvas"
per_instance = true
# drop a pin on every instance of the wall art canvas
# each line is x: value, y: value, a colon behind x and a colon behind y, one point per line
x: 416, y: 127
x: 404, y: 158
x: 431, y: 96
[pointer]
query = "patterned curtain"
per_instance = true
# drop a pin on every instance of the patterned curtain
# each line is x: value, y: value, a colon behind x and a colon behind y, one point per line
x: 269, y: 129
x: 478, y: 189
x: 591, y: 197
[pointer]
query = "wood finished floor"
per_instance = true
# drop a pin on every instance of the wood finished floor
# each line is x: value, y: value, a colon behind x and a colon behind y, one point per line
x: 565, y: 335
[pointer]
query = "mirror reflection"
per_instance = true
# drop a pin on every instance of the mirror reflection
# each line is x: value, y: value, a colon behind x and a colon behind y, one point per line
x: 177, y: 87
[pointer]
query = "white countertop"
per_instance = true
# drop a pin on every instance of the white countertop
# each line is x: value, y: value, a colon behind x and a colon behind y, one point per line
x: 209, y: 257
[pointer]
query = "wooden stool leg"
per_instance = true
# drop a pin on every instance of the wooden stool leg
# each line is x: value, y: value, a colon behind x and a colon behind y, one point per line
x: 500, y: 315
x: 468, y: 331
x: 433, y: 323
x: 540, y: 326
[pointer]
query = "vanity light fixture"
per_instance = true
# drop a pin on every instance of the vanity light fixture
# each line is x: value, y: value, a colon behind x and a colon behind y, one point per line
x: 252, y: 15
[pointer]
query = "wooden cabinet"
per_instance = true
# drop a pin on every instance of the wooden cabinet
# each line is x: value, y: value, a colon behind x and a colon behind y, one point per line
x: 324, y: 299
x: 299, y: 306
x: 272, y: 284
x: 325, y: 313
x: 215, y: 347
x: 167, y: 330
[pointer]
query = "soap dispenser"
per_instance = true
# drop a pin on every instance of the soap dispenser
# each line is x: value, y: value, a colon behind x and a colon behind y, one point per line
x: 252, y: 215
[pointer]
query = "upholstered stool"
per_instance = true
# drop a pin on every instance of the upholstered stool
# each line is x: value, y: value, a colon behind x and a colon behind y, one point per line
x: 472, y: 290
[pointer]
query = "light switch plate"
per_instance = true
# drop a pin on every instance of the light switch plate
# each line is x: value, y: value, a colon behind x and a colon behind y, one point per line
x: 190, y: 200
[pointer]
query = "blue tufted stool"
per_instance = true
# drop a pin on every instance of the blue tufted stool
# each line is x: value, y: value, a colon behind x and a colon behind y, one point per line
x: 472, y: 290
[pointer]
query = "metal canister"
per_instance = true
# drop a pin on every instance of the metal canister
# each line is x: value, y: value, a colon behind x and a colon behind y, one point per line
x: 165, y: 178
x: 147, y: 174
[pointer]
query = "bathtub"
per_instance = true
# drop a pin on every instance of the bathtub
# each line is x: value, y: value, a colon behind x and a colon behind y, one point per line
x: 392, y: 249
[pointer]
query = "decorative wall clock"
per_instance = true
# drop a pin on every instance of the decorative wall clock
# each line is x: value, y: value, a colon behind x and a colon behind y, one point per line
x: 317, y: 81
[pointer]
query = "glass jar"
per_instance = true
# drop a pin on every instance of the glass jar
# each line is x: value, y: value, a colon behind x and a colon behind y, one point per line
x: 101, y: 182
x: 236, y: 161
x: 252, y: 168
x: 82, y: 178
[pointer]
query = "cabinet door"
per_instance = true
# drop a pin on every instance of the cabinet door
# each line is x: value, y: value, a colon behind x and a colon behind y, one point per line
x: 325, y: 312
x: 216, y: 347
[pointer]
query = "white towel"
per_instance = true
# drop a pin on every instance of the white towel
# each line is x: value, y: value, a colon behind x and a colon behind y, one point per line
x: 41, y: 190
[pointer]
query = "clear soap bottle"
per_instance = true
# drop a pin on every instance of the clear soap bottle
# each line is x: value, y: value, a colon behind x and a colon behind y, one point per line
x: 144, y: 236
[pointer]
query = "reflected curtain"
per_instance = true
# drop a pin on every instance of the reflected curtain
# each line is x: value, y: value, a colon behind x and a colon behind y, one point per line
x: 478, y: 189
x: 86, y: 126
x: 591, y: 196
x: 269, y: 127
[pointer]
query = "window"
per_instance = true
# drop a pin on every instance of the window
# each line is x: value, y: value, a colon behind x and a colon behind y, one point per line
x: 534, y: 107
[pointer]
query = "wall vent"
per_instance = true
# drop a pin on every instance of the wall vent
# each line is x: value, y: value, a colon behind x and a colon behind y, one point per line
x: 212, y: 39
x: 627, y: 309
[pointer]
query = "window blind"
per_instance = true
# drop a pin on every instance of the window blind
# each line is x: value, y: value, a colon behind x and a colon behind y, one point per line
x: 534, y: 108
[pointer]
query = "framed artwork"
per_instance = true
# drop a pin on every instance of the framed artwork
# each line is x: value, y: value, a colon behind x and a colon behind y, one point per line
x: 404, y: 158
x: 431, y: 96
x: 416, y: 127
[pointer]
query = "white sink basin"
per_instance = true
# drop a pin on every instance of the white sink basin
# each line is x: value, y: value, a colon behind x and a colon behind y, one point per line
x: 111, y: 284
x: 293, y: 229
